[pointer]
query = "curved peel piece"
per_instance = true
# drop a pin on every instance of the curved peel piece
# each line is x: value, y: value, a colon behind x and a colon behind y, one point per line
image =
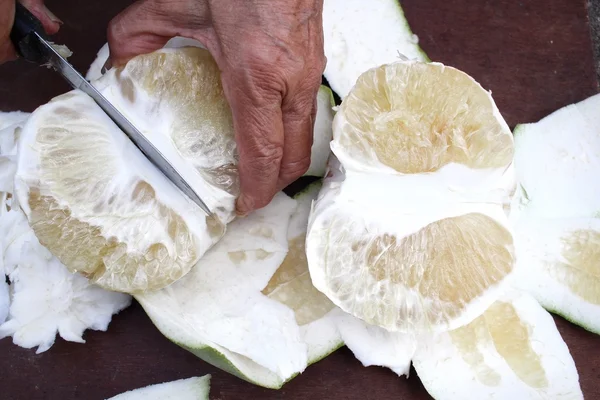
x: 512, y: 351
x: 196, y: 388
x: 361, y: 35
x: 556, y: 212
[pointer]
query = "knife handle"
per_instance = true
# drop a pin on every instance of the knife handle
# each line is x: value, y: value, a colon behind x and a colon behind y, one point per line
x: 22, y: 34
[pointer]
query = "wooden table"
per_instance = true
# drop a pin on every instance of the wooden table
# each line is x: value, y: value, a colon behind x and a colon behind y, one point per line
x: 535, y: 56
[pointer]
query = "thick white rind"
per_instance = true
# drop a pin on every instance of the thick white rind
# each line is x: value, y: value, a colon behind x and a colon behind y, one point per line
x: 558, y: 161
x: 446, y: 375
x: 11, y: 125
x: 323, y: 133
x: 46, y: 299
x: 360, y: 35
x: 95, y: 69
x: 196, y: 388
x: 11, y: 118
x: 374, y: 346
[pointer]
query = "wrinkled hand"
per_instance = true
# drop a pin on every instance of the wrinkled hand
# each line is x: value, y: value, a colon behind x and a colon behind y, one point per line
x: 270, y: 53
x: 7, y: 16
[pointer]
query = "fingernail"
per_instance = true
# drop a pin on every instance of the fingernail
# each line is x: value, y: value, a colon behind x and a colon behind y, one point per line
x: 244, y: 205
x: 51, y: 15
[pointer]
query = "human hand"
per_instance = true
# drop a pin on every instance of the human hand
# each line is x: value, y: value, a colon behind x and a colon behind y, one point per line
x: 7, y: 16
x: 270, y: 53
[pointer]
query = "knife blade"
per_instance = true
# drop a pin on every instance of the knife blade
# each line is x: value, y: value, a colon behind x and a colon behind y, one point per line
x: 30, y: 42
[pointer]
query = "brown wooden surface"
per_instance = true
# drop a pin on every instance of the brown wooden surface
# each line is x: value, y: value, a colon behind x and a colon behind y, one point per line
x: 534, y: 55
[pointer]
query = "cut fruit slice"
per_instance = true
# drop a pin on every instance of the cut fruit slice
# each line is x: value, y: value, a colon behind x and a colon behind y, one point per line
x: 248, y: 306
x: 361, y: 35
x: 409, y: 231
x: 43, y: 298
x: 556, y: 212
x: 183, y: 389
x: 512, y: 351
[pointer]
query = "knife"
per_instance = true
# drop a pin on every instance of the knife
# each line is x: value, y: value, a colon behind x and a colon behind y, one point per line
x: 31, y: 43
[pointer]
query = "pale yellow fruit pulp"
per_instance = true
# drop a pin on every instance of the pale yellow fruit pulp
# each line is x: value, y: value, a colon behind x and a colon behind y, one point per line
x: 419, y: 117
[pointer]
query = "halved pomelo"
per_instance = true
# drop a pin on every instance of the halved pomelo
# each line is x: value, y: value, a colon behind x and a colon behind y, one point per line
x: 556, y: 211
x: 100, y: 206
x: 513, y: 350
x: 409, y: 231
x: 248, y: 306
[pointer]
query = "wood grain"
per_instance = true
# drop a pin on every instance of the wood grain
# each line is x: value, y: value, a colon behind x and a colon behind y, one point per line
x: 535, y: 56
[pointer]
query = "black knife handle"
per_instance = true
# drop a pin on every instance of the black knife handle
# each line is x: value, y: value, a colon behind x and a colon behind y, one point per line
x: 22, y: 36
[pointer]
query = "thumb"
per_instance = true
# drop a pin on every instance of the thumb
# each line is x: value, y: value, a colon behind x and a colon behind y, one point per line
x: 147, y: 25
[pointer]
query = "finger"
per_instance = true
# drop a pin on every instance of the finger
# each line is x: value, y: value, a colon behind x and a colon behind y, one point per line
x: 258, y: 128
x: 50, y: 22
x: 298, y: 125
x: 147, y: 25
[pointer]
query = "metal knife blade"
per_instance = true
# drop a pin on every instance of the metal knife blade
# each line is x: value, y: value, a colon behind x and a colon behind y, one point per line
x: 75, y: 79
